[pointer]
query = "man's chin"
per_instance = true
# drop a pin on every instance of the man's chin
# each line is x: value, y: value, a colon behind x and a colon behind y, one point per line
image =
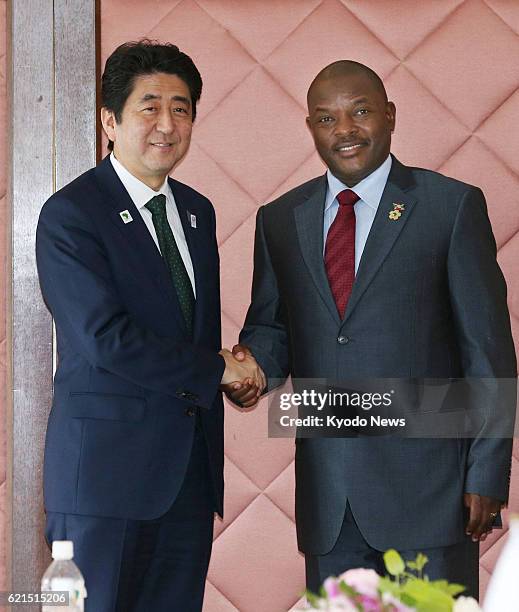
x: 350, y: 174
x: 165, y: 164
x: 355, y: 170
x: 163, y: 169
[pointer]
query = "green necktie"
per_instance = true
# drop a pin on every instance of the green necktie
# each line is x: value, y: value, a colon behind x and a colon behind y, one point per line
x: 171, y: 254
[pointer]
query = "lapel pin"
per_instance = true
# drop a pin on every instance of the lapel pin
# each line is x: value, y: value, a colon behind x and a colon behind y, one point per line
x: 396, y: 213
x: 192, y: 219
x: 125, y: 216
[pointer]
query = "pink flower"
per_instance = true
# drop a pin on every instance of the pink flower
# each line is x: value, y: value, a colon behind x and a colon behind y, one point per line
x: 365, y: 581
x: 370, y: 604
x: 340, y: 604
x: 331, y: 586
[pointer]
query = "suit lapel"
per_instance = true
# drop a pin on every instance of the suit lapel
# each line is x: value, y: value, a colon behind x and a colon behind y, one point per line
x: 384, y: 231
x: 309, y: 218
x: 137, y: 234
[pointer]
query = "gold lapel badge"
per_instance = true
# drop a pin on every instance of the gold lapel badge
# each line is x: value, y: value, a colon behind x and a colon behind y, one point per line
x: 396, y: 213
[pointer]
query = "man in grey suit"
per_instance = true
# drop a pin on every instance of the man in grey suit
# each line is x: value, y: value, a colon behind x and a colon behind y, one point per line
x: 381, y: 270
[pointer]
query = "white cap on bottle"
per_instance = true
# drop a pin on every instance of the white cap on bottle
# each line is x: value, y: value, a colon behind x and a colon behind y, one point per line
x: 63, y: 550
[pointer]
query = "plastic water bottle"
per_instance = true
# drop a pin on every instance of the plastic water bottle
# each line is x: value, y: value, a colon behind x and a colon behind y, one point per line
x: 503, y: 589
x: 63, y: 575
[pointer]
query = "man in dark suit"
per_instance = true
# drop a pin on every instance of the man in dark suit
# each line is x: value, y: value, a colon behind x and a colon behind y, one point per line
x: 385, y: 271
x: 129, y: 268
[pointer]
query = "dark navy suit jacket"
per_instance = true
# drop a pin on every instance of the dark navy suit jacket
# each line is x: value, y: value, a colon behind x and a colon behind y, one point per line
x: 429, y: 301
x: 129, y: 373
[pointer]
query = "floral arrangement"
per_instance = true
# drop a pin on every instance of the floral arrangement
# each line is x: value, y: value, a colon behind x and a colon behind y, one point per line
x: 405, y: 589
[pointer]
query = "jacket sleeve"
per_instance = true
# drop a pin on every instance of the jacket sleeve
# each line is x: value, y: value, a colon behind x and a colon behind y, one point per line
x: 78, y: 287
x: 478, y: 299
x: 264, y: 329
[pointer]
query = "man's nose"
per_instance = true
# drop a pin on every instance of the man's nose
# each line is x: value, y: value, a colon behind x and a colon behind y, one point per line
x: 165, y: 122
x: 345, y: 125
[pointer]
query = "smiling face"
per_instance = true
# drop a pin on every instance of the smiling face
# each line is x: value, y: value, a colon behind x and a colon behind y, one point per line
x: 351, y: 123
x: 155, y: 128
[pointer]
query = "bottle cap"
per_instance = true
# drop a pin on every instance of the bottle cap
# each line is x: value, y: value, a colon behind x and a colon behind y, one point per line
x: 62, y: 550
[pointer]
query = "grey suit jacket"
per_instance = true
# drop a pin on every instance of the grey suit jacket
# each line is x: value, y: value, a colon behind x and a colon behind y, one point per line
x: 429, y: 301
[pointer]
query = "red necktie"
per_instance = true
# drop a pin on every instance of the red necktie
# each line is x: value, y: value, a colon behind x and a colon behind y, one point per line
x: 339, y: 254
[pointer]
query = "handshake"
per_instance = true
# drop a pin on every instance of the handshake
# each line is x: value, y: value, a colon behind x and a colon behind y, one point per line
x: 243, y: 380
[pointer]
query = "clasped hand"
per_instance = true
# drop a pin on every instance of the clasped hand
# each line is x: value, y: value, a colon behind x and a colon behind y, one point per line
x: 243, y: 380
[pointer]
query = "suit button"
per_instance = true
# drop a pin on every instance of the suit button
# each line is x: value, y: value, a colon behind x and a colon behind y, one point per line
x: 343, y: 339
x: 190, y: 412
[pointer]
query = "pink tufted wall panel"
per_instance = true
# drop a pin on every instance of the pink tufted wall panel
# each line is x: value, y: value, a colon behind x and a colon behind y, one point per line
x: 451, y: 68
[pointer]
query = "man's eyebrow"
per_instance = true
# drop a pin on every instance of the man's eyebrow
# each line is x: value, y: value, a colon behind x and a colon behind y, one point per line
x: 148, y: 97
x: 182, y: 99
x: 361, y: 100
x: 321, y: 109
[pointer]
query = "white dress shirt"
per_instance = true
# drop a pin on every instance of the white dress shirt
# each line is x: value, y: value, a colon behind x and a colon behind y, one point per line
x: 141, y: 194
x: 370, y: 192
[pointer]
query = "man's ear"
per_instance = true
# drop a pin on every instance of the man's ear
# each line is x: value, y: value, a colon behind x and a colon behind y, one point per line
x: 108, y: 122
x: 391, y: 114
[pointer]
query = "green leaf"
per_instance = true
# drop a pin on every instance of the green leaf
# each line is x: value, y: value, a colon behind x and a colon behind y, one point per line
x: 312, y: 599
x: 418, y: 564
x: 386, y: 585
x: 441, y: 585
x: 428, y: 597
x: 409, y: 576
x: 408, y: 600
x: 455, y: 589
x: 412, y: 565
x: 421, y: 561
x: 432, y: 607
x: 451, y: 589
x: 346, y: 589
x: 394, y: 563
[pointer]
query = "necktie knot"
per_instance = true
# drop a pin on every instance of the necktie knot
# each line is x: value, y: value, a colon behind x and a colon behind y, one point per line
x: 347, y: 197
x: 157, y: 204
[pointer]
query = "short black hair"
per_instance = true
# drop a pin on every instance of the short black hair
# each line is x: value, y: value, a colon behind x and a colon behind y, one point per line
x: 342, y: 68
x: 133, y: 59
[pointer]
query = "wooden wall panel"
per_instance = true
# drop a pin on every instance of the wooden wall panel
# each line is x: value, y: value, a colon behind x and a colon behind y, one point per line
x: 52, y: 139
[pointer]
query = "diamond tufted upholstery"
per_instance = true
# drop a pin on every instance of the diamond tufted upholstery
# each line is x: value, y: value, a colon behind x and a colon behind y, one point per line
x: 451, y: 68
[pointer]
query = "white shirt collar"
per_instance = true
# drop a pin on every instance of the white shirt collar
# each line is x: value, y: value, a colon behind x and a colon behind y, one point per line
x: 138, y: 191
x: 369, y: 190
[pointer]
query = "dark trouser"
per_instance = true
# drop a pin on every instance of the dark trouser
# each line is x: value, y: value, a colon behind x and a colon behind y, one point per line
x: 457, y: 563
x: 140, y: 566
